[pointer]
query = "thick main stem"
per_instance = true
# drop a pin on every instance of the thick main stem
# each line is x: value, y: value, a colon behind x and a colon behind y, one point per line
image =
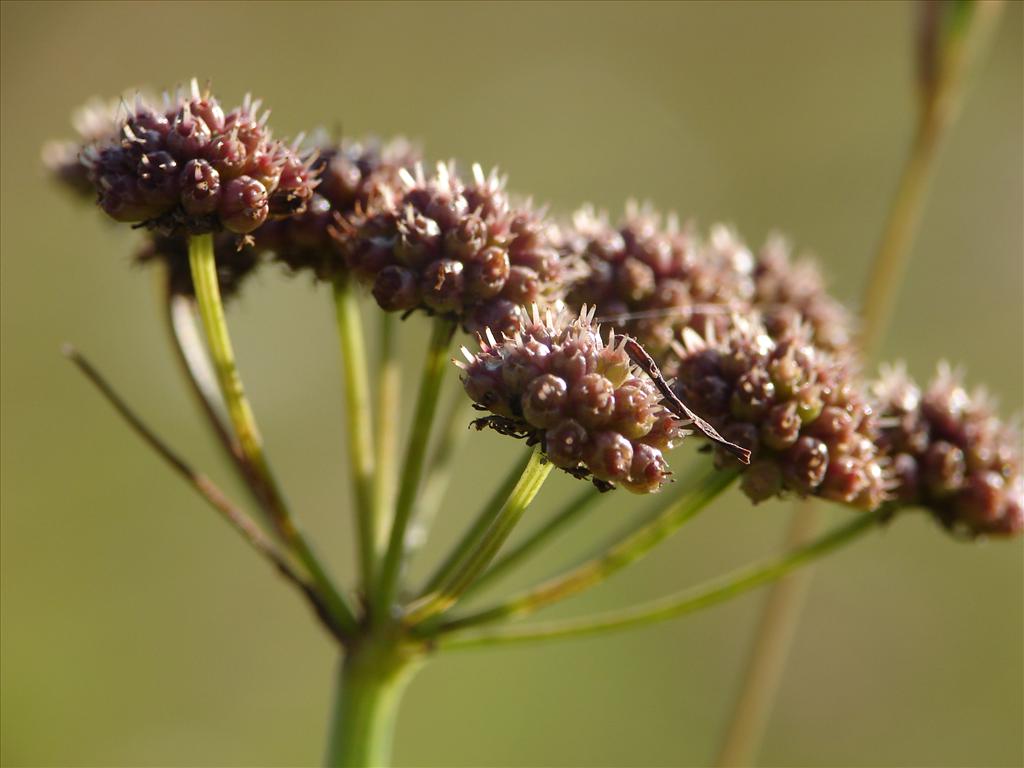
x: 359, y: 430
x: 434, y: 367
x: 211, y: 310
x: 625, y: 552
x: 372, y: 678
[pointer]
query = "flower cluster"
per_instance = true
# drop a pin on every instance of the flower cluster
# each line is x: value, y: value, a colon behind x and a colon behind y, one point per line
x: 789, y: 292
x: 454, y: 249
x: 350, y: 174
x: 796, y: 407
x: 190, y: 168
x: 651, y: 280
x: 557, y: 383
x: 951, y: 453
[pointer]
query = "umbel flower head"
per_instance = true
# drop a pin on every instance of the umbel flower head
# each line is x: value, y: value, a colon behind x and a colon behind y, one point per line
x: 796, y: 407
x: 454, y: 249
x: 789, y: 292
x: 190, y: 168
x: 652, y: 279
x: 556, y: 383
x: 951, y: 453
x: 350, y: 173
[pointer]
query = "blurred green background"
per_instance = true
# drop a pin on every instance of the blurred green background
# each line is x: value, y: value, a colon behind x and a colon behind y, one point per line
x: 138, y: 630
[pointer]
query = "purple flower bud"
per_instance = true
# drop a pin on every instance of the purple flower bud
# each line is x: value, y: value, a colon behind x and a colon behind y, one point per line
x: 648, y: 471
x: 442, y: 284
x: 805, y: 464
x: 395, y: 289
x: 593, y: 399
x: 188, y: 136
x: 545, y: 400
x: 609, y: 456
x: 200, y: 187
x: 565, y: 444
x: 243, y: 205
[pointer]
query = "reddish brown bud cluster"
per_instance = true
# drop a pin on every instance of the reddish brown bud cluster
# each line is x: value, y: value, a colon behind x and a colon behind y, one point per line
x: 652, y: 280
x: 797, y: 409
x: 555, y: 382
x: 350, y: 175
x: 453, y: 248
x: 190, y: 168
x: 790, y: 292
x: 951, y: 454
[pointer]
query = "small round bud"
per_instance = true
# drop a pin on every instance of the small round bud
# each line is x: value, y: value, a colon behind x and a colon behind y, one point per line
x: 485, y: 388
x: 188, y: 135
x: 593, y: 399
x: 545, y: 401
x: 487, y: 274
x: 243, y: 205
x: 609, y: 456
x: 648, y: 471
x: 442, y: 285
x: 522, y: 286
x: 844, y: 480
x: 524, y: 363
x: 806, y: 464
x: 753, y: 395
x: 158, y: 178
x: 227, y: 154
x: 633, y: 415
x: 395, y: 289
x: 565, y: 444
x: 200, y: 188
x: 781, y: 427
x: 944, y: 468
x: 635, y: 280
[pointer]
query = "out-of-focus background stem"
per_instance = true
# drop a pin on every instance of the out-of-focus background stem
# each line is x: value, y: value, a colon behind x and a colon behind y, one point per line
x: 951, y: 34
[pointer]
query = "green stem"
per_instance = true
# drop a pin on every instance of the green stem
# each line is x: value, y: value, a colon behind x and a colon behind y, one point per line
x: 359, y: 432
x: 576, y: 507
x: 889, y: 267
x: 434, y: 367
x: 620, y: 555
x: 714, y: 592
x: 473, y: 562
x: 943, y: 68
x: 439, y: 474
x: 939, y: 111
x: 475, y: 533
x: 187, y: 342
x: 388, y: 408
x: 772, y: 637
x: 372, y: 678
x: 211, y: 310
